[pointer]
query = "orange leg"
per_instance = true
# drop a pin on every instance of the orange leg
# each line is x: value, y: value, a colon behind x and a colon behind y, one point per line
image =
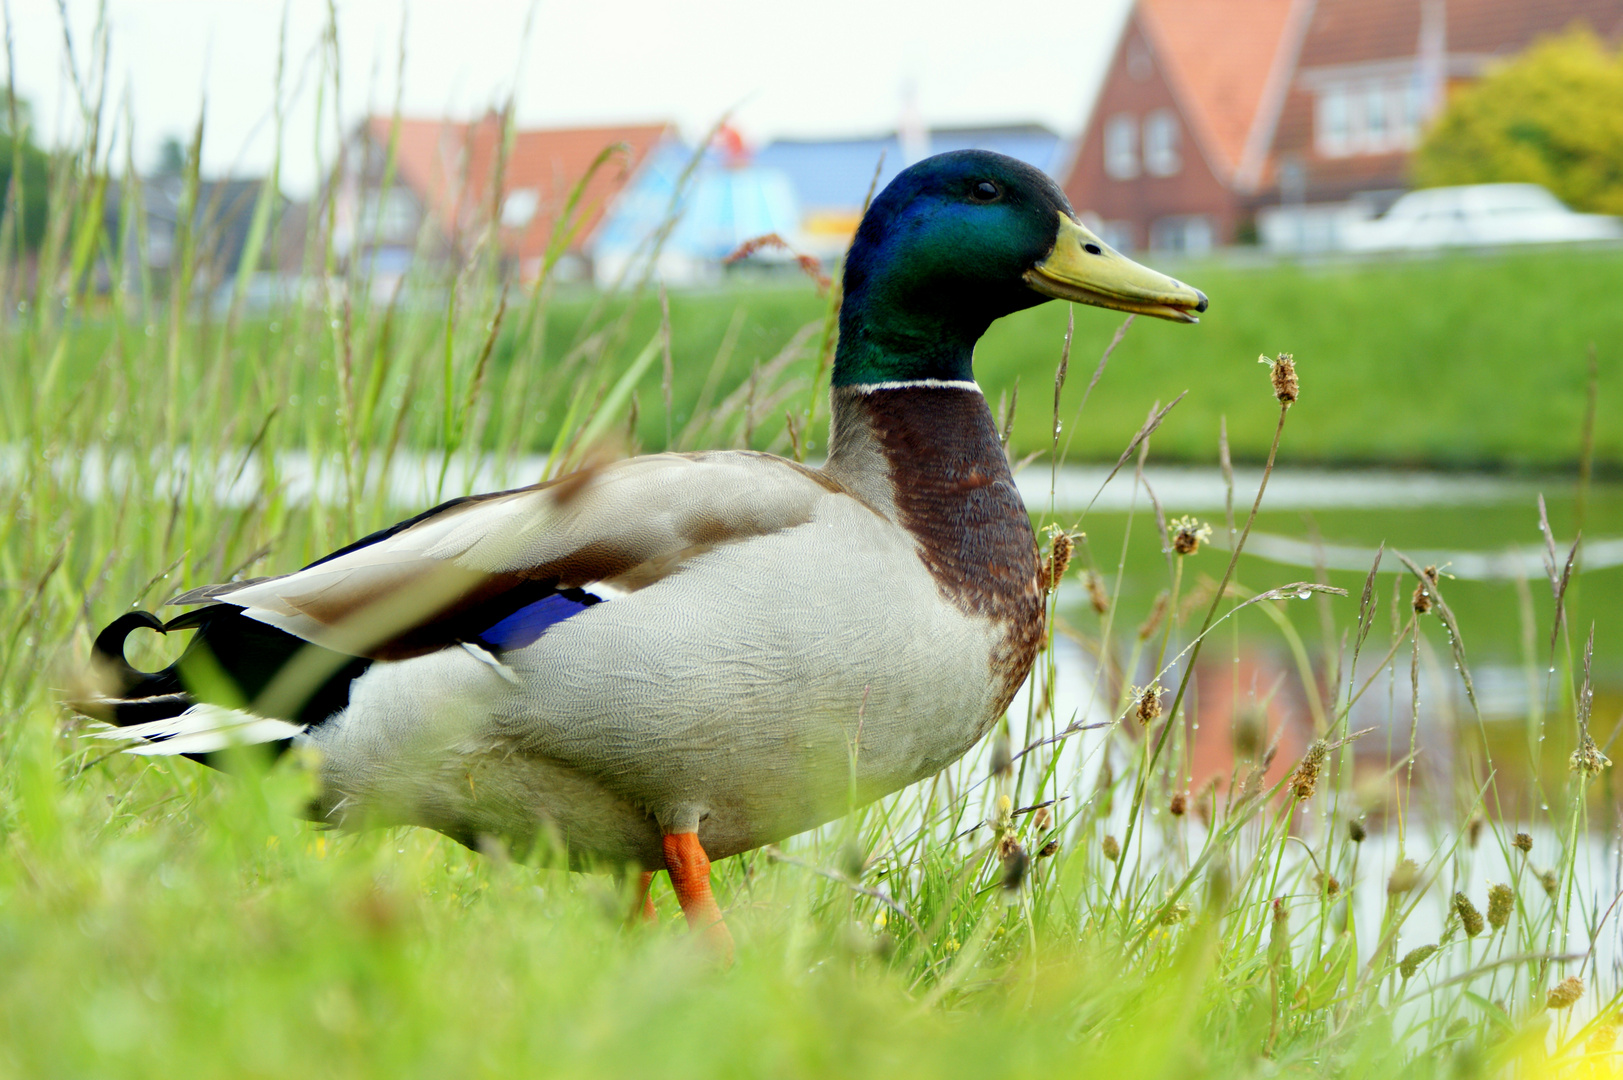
x: 689, y: 867
x: 645, y: 906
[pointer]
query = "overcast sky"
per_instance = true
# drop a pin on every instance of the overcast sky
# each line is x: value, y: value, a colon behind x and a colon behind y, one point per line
x: 811, y: 68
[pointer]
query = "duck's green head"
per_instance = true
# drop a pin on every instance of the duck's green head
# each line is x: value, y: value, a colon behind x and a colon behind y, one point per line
x: 961, y: 239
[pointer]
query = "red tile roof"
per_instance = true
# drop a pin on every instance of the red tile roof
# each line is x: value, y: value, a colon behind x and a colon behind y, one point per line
x: 1222, y: 58
x: 450, y: 167
x: 1361, y: 31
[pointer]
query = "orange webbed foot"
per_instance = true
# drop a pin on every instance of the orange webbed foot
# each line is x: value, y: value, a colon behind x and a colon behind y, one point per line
x: 689, y: 868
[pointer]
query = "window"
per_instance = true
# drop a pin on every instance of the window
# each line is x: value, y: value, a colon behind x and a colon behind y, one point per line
x: 1121, y: 147
x: 393, y: 216
x: 397, y: 217
x: 1376, y: 128
x: 1161, y: 156
x: 1412, y: 103
x: 518, y: 209
x: 1333, y: 124
x: 1192, y: 234
x: 1372, y: 116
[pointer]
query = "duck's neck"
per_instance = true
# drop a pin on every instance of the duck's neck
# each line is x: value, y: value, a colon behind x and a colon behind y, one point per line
x: 905, y: 403
x: 926, y: 454
x: 911, y: 431
x: 890, y: 332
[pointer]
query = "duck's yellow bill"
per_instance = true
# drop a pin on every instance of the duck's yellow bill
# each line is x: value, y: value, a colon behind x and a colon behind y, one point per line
x: 1085, y: 270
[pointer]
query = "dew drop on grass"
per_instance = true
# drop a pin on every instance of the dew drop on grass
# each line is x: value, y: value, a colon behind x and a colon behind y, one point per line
x: 1303, y: 595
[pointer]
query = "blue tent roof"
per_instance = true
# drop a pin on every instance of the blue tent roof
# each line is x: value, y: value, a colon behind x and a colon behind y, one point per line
x: 725, y: 204
x: 830, y: 174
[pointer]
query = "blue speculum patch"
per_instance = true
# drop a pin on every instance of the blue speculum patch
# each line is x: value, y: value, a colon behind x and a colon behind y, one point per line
x: 528, y: 623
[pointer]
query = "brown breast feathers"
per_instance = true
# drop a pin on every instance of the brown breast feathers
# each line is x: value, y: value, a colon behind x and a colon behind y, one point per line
x: 953, y: 491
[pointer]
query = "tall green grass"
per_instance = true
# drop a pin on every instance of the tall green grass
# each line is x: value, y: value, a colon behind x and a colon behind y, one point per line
x: 1464, y: 361
x: 1059, y: 901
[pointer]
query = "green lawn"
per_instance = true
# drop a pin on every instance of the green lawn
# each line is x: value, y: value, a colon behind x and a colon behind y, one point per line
x: 1468, y: 360
x: 1459, y: 361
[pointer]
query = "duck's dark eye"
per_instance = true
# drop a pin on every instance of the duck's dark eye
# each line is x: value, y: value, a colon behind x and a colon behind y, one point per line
x: 985, y: 191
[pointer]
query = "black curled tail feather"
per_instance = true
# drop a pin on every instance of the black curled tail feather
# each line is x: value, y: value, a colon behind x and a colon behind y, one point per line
x: 130, y: 696
x: 249, y: 652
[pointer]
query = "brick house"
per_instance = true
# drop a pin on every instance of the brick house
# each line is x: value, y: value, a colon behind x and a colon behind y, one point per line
x: 1287, y: 117
x: 1179, y: 135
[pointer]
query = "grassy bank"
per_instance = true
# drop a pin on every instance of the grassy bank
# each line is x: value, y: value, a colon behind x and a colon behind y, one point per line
x: 1468, y: 360
x: 1476, y: 360
x: 1473, y: 360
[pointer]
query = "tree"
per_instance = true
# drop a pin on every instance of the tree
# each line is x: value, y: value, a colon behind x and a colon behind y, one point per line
x: 171, y: 157
x: 1551, y: 116
x: 35, y: 170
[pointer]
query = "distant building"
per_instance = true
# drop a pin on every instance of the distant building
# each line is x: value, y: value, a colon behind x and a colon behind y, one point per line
x: 649, y: 195
x: 221, y: 220
x: 1179, y: 137
x: 1370, y: 75
x: 832, y: 177
x: 1224, y: 120
x: 656, y: 206
x: 444, y: 192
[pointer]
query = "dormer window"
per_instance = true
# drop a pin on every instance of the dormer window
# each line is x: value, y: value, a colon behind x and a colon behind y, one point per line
x: 1121, y: 147
x: 519, y: 208
x: 1366, y: 116
x: 1161, y: 157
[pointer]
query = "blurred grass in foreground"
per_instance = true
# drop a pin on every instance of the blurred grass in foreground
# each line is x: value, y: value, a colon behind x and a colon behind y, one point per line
x: 1078, y: 910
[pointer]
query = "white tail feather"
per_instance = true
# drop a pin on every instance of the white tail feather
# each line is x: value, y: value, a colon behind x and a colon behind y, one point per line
x: 201, y: 729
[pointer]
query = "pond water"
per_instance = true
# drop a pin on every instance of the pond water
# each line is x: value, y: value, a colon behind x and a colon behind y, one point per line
x: 1481, y: 529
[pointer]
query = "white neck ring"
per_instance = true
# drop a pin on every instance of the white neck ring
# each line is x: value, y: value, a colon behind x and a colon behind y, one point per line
x: 917, y: 384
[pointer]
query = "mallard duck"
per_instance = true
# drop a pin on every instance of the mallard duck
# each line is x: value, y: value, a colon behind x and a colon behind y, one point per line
x: 680, y: 657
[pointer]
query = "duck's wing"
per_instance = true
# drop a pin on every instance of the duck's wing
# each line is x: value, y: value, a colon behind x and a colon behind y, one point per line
x: 470, y: 567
